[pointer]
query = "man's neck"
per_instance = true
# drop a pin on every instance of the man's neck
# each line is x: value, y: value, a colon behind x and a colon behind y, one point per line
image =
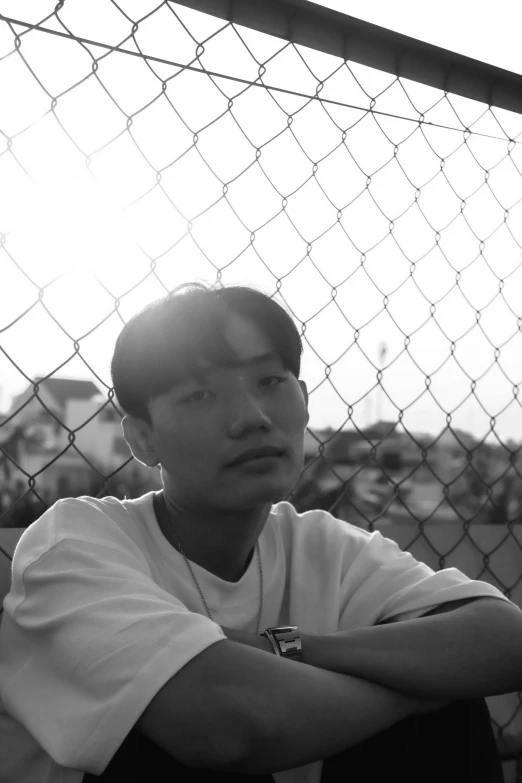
x: 199, y: 546
x: 226, y: 571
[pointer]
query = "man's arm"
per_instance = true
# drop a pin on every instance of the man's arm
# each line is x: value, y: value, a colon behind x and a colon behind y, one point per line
x: 469, y: 652
x: 238, y: 709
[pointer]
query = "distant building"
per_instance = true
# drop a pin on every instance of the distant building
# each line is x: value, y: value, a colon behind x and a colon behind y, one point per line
x: 61, y: 436
x: 392, y: 475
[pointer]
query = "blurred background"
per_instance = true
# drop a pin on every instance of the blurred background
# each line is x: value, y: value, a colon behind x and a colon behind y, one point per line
x: 147, y: 144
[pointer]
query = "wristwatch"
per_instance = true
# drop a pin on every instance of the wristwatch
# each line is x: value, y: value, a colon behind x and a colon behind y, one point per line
x: 285, y: 641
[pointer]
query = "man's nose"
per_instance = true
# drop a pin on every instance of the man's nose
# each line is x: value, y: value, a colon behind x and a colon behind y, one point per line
x: 247, y: 409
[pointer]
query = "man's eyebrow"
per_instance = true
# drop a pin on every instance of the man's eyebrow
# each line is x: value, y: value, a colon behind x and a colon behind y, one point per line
x: 263, y: 357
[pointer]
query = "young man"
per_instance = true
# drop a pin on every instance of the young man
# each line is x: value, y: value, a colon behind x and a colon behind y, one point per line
x: 131, y: 645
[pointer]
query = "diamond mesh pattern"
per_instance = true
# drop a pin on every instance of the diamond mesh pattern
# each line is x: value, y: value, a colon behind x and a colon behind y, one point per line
x: 146, y: 144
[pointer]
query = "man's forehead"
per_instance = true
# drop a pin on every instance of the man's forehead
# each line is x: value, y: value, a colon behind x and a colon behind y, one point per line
x: 203, y: 369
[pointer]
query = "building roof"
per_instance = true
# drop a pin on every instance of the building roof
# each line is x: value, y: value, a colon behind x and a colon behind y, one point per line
x: 64, y: 389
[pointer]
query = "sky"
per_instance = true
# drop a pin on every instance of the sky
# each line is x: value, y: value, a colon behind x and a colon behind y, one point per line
x: 101, y: 215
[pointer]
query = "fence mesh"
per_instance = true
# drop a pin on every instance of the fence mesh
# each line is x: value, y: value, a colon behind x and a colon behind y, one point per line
x: 146, y: 144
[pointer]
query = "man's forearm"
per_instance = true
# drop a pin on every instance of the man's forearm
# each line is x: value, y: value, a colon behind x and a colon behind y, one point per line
x: 471, y: 652
x: 250, y: 639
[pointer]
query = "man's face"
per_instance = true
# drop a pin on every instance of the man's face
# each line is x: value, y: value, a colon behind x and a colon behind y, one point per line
x: 199, y: 428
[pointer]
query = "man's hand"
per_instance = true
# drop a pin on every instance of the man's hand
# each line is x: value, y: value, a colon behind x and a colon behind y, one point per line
x: 250, y: 639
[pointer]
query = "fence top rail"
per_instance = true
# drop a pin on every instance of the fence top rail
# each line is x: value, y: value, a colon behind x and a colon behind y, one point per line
x: 332, y: 32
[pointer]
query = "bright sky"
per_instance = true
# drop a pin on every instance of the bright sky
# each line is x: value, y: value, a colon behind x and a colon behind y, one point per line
x: 88, y: 236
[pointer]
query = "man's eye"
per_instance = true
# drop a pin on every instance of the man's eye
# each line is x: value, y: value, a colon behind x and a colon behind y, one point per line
x: 275, y: 378
x: 191, y: 398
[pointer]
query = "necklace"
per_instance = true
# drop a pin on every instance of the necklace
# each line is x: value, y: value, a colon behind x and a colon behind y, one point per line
x: 166, y: 516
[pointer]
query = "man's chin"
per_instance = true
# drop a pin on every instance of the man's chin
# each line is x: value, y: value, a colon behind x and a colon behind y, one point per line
x: 271, y: 495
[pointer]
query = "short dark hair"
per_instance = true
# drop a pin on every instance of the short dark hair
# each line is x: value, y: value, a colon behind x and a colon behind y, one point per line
x: 160, y: 345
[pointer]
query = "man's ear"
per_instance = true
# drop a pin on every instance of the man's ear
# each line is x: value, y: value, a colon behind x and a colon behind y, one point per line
x: 302, y: 384
x: 139, y: 439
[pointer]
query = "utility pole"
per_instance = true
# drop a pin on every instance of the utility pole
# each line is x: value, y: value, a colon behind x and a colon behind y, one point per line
x: 368, y: 410
x: 383, y: 353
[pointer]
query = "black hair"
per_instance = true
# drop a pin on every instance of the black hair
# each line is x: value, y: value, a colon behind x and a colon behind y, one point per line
x: 161, y: 345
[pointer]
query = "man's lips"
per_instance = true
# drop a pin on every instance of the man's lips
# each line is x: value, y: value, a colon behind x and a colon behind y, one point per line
x: 258, y: 460
x: 259, y: 453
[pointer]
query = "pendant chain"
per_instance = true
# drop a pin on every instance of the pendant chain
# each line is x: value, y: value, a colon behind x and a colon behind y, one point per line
x: 196, y: 581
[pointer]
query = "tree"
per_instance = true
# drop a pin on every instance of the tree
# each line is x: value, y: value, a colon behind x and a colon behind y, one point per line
x: 506, y: 504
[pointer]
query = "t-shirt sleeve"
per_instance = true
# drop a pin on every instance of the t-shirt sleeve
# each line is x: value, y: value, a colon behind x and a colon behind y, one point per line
x: 382, y: 581
x: 86, y: 641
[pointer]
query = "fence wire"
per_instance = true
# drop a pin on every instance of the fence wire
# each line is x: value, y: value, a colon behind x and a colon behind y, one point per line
x: 383, y: 214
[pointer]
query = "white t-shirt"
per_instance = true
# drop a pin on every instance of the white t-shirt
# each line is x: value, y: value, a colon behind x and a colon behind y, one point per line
x: 103, y: 611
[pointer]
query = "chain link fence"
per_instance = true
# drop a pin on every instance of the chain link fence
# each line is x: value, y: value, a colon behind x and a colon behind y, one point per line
x: 146, y: 144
